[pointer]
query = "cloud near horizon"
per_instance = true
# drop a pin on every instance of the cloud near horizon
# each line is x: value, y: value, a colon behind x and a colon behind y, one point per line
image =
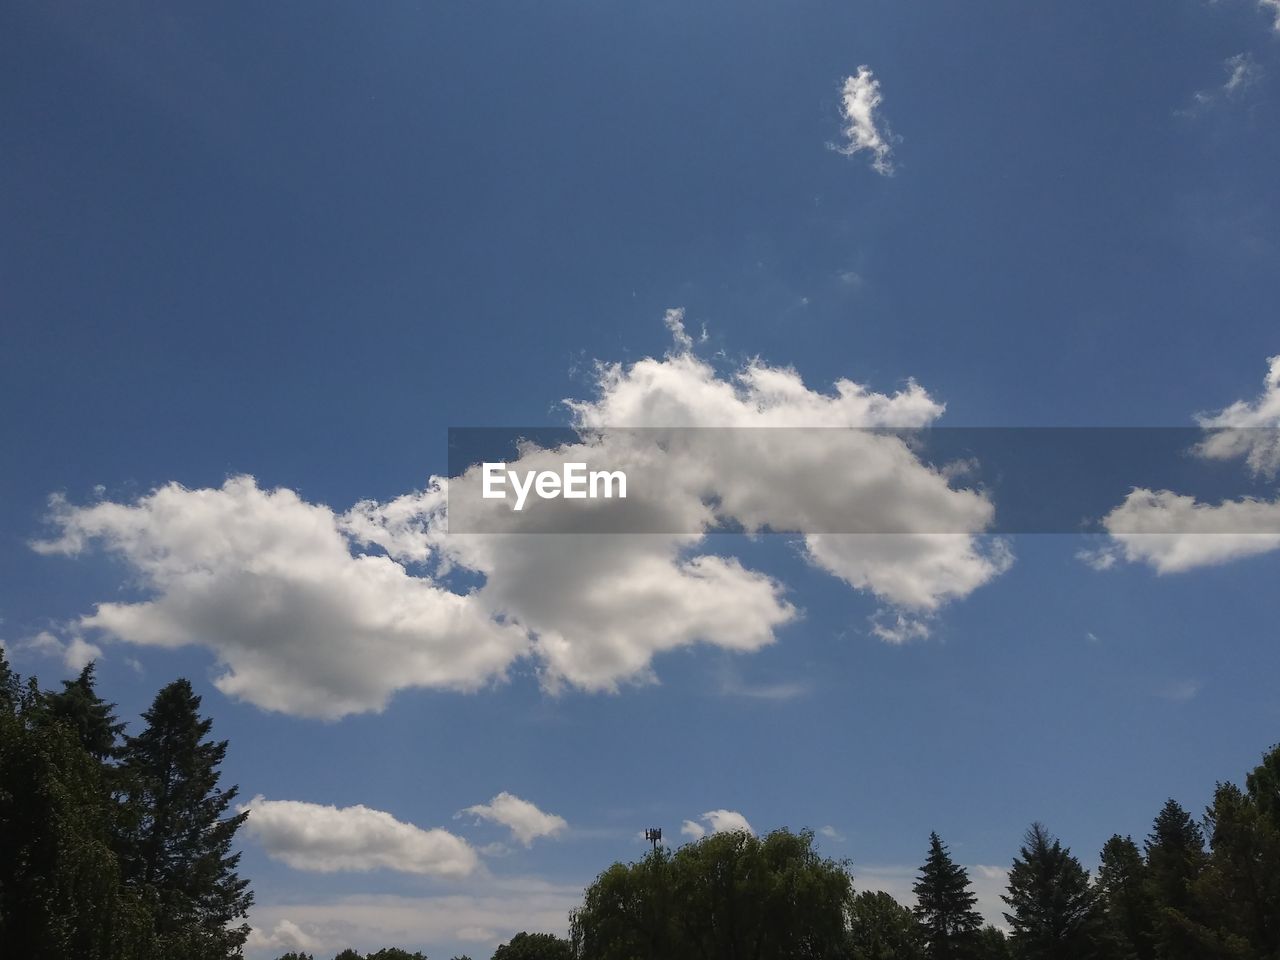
x: 326, y: 839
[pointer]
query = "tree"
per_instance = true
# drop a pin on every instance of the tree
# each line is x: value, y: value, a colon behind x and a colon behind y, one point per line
x: 535, y: 946
x: 727, y: 896
x: 348, y: 954
x: 60, y: 890
x: 92, y: 719
x: 10, y: 686
x: 1054, y: 909
x: 945, y: 905
x: 880, y: 928
x: 1175, y: 859
x: 295, y: 955
x: 1126, y: 900
x: 1237, y: 895
x: 178, y: 834
x: 395, y: 953
x: 992, y: 944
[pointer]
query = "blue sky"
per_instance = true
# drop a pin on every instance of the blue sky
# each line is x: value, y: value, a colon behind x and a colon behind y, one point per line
x: 300, y: 242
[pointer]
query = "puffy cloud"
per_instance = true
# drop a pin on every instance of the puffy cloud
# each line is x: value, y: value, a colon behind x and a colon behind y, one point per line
x: 328, y: 839
x: 285, y: 936
x: 778, y: 455
x: 320, y: 613
x: 270, y: 584
x: 1174, y: 533
x: 693, y: 830
x: 831, y: 833
x: 717, y: 821
x: 76, y: 653
x: 525, y: 821
x: 860, y: 98
x: 1248, y: 429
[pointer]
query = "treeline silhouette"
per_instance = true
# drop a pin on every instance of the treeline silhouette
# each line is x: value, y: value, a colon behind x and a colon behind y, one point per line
x: 116, y: 847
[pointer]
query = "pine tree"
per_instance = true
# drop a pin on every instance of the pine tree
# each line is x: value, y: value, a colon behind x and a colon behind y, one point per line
x: 88, y: 715
x: 1055, y: 913
x: 945, y: 905
x: 178, y: 836
x: 1175, y: 860
x: 60, y: 891
x: 1126, y: 900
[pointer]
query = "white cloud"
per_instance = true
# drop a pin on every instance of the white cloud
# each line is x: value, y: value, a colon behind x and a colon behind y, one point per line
x: 285, y: 936
x: 319, y: 613
x: 693, y: 830
x: 719, y: 821
x: 860, y: 98
x: 525, y: 821
x: 75, y: 653
x: 269, y: 583
x: 328, y: 839
x: 1175, y: 533
x: 1179, y: 691
x: 1273, y: 7
x: 1242, y: 72
x: 831, y: 833
x: 1248, y: 429
x: 488, y: 913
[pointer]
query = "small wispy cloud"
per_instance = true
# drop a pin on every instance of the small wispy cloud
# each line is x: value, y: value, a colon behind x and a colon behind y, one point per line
x: 1272, y: 7
x: 831, y: 833
x: 860, y: 99
x: 1242, y: 72
x: 1179, y: 691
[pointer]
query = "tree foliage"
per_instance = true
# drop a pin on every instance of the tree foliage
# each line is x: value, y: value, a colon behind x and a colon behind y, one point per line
x: 726, y: 896
x: 1054, y: 909
x: 945, y: 905
x: 77, y: 809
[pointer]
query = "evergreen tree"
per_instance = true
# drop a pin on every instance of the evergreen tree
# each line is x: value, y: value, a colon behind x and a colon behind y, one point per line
x: 1055, y: 914
x: 1237, y: 896
x: 60, y: 891
x: 178, y: 835
x: 1126, y: 900
x: 945, y: 905
x: 1175, y: 859
x: 88, y: 715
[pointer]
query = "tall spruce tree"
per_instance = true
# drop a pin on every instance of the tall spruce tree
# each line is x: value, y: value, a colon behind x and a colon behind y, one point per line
x: 1175, y: 860
x: 92, y: 719
x: 1237, y: 896
x: 1126, y: 900
x: 178, y: 837
x: 1055, y: 913
x: 945, y: 905
x: 60, y: 891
